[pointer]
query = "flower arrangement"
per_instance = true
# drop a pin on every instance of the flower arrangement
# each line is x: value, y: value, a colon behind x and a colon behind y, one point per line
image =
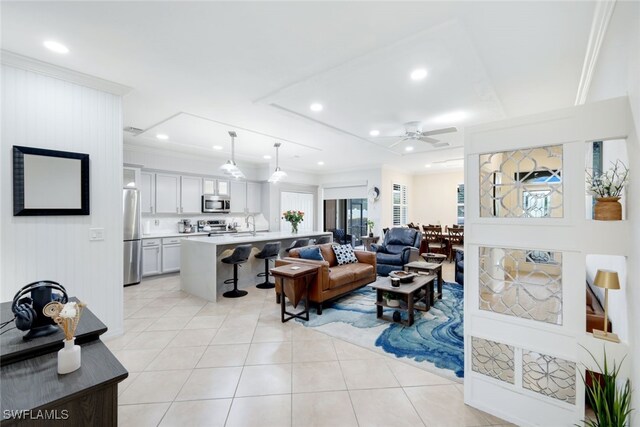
x: 295, y: 218
x: 609, y: 183
x: 67, y: 316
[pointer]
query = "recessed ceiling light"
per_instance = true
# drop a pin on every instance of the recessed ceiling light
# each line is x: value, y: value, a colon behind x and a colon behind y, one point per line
x: 162, y: 136
x: 428, y: 165
x: 217, y: 147
x: 321, y: 163
x: 55, y: 46
x: 266, y: 156
x: 409, y: 148
x: 450, y: 118
x: 418, y: 74
x: 374, y: 132
x: 316, y: 107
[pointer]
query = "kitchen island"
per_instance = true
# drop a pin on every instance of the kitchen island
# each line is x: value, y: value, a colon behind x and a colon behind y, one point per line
x: 202, y: 274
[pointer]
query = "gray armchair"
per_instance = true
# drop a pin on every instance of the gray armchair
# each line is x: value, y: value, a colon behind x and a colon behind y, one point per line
x: 399, y: 247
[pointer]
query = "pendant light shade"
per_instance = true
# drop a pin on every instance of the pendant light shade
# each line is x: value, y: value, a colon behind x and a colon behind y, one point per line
x: 278, y: 174
x: 230, y: 167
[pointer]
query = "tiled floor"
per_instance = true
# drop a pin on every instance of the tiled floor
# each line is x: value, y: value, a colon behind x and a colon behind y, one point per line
x: 195, y: 363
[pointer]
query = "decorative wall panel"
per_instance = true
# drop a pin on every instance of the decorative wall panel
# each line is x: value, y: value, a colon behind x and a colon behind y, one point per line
x: 550, y: 376
x: 522, y: 184
x: 521, y: 283
x: 492, y: 359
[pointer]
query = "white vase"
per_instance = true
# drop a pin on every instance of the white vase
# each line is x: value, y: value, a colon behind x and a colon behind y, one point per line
x: 393, y: 303
x: 69, y: 357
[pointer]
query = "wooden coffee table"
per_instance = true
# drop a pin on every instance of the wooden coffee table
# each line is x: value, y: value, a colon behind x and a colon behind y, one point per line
x: 428, y: 268
x: 295, y: 281
x: 408, y: 292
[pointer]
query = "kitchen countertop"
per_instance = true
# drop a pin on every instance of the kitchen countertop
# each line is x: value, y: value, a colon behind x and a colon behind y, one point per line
x: 162, y: 234
x: 261, y: 236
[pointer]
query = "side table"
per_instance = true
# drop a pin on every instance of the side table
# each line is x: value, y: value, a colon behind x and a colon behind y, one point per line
x: 368, y: 241
x: 295, y: 281
x: 429, y: 268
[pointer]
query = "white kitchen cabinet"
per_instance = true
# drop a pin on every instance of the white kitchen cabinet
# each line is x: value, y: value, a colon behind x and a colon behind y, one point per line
x: 147, y: 192
x: 219, y: 187
x: 254, y: 197
x: 151, y: 260
x: 238, y: 195
x: 208, y: 186
x: 222, y: 187
x: 190, y: 194
x: 171, y: 258
x: 167, y: 193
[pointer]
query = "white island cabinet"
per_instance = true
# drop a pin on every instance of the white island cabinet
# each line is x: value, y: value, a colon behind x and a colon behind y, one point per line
x: 202, y: 273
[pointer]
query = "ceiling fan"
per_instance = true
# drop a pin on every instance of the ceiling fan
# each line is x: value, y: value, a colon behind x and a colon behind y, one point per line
x: 413, y: 132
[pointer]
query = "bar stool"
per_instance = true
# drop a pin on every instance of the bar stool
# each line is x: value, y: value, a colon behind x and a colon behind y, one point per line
x: 239, y: 256
x: 299, y: 243
x: 269, y: 252
x: 323, y: 239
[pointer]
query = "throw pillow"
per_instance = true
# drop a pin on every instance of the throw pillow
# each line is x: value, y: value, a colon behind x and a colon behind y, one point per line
x: 344, y: 254
x: 311, y: 252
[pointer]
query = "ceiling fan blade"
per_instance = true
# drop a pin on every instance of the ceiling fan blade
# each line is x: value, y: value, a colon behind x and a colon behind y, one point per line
x: 429, y: 140
x: 398, y: 142
x: 439, y: 131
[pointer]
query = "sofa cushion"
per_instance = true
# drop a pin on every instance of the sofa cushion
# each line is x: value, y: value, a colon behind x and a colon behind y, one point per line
x: 311, y: 252
x: 340, y: 276
x: 360, y: 270
x: 328, y: 255
x: 392, y: 259
x: 395, y: 249
x: 401, y: 237
x: 344, y: 254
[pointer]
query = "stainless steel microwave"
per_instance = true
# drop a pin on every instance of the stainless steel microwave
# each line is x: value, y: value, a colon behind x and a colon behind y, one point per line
x: 215, y: 204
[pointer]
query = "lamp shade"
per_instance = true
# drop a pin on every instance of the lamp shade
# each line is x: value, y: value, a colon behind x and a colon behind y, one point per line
x: 607, y: 279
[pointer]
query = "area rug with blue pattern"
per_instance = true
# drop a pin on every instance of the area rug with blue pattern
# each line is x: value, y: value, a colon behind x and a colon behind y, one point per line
x: 434, y: 342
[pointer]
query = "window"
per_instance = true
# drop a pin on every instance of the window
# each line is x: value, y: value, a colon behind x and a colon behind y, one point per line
x: 460, y: 207
x: 400, y: 207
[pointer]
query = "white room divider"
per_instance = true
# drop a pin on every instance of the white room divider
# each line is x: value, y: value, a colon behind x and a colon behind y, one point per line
x: 526, y: 243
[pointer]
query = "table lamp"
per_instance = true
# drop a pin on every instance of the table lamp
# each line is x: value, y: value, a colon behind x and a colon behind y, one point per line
x: 606, y: 279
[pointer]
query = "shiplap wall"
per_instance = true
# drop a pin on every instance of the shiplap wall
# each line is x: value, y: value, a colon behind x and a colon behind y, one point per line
x: 44, y: 112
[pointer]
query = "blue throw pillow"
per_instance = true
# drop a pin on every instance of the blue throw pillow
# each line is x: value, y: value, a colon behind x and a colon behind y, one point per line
x: 311, y: 252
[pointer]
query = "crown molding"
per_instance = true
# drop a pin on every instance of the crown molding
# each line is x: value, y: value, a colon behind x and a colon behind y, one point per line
x: 601, y: 18
x: 31, y: 64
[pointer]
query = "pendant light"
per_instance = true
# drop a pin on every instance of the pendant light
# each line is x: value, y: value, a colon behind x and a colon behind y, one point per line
x: 230, y: 168
x: 278, y: 174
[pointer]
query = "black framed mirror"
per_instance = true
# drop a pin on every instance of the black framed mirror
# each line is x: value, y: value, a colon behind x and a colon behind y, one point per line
x: 50, y: 182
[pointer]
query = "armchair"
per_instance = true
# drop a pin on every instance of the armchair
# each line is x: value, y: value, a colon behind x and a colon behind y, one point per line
x: 399, y: 247
x: 459, y: 267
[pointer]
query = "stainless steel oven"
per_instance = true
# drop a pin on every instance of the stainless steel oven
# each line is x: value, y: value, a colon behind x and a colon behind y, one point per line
x: 215, y: 204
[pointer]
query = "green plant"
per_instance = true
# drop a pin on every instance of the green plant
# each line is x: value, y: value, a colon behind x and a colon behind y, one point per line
x: 370, y: 224
x: 611, y: 404
x: 390, y: 295
x: 609, y: 183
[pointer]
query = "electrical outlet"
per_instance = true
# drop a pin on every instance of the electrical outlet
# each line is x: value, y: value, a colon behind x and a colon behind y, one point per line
x: 96, y: 234
x: 157, y: 222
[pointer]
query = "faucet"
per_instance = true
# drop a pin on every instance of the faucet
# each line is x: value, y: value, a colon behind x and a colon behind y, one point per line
x: 253, y: 233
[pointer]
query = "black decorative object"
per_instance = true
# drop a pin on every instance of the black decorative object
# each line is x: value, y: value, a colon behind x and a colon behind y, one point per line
x: 28, y: 309
x: 396, y: 316
x: 22, y: 185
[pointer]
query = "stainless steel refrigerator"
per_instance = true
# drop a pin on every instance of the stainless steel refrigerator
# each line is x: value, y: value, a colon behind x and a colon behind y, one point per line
x: 132, y: 236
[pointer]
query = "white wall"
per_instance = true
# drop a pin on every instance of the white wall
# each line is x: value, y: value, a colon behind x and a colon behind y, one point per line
x: 45, y: 112
x: 435, y: 198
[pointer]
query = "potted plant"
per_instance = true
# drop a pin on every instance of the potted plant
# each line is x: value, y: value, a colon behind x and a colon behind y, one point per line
x: 391, y: 299
x: 610, y: 402
x: 607, y: 188
x: 370, y: 225
x: 295, y: 218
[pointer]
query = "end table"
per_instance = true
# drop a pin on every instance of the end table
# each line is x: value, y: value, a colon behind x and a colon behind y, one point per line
x: 295, y: 282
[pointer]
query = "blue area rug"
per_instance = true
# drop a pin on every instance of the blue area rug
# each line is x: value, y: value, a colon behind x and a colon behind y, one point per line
x: 434, y: 342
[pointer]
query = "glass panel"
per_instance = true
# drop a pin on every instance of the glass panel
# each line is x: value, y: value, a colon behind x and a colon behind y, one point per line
x: 357, y: 219
x: 522, y: 184
x: 550, y: 376
x: 492, y: 359
x: 522, y: 283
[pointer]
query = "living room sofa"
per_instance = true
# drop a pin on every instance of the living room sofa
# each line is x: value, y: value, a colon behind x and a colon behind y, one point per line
x: 333, y: 280
x: 399, y: 247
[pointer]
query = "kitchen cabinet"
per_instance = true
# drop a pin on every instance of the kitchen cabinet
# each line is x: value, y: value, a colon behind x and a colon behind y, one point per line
x: 151, y: 257
x: 147, y: 192
x: 130, y: 177
x: 219, y: 187
x: 238, y: 194
x: 167, y: 193
x: 190, y: 194
x: 254, y: 197
x: 171, y: 254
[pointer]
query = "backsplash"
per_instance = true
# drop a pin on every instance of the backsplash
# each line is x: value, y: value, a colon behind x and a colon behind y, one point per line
x: 170, y: 223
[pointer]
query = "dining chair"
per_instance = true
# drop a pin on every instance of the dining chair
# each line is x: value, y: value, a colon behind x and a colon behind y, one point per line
x: 455, y: 240
x: 435, y: 241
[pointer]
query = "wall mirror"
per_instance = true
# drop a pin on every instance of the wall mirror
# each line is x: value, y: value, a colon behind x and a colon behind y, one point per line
x: 50, y: 182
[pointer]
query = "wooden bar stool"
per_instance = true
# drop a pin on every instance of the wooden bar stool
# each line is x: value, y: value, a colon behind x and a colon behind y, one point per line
x: 269, y: 252
x: 239, y: 256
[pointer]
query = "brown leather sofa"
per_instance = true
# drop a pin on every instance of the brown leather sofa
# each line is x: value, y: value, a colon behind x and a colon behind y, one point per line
x: 333, y: 280
x: 595, y: 313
